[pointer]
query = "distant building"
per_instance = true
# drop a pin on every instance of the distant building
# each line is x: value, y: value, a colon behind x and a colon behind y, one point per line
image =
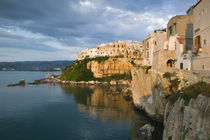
x: 87, y: 53
x: 201, y: 35
x: 125, y: 49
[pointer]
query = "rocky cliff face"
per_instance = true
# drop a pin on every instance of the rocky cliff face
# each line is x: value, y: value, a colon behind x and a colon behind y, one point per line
x: 110, y: 67
x: 148, y: 91
x: 191, y: 122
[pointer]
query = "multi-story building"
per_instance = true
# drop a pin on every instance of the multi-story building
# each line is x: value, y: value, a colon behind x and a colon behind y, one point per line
x: 182, y: 26
x: 201, y: 35
x: 90, y: 53
x: 148, y: 47
x: 180, y: 39
x: 125, y: 49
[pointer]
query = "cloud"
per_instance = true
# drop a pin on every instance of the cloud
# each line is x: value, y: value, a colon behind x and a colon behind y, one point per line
x: 72, y: 25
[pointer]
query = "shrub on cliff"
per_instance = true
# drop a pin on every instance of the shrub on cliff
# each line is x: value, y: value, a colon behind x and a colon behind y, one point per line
x: 123, y: 76
x: 99, y: 59
x: 146, y: 68
x: 77, y: 72
x: 194, y: 90
x: 174, y: 82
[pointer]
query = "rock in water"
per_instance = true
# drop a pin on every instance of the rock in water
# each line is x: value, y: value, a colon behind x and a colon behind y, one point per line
x: 21, y: 83
x: 145, y: 132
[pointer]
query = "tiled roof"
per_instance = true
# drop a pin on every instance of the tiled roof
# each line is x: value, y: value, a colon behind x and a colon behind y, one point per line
x: 180, y: 40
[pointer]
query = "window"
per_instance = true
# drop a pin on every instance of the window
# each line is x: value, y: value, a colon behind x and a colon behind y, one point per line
x: 148, y: 54
x: 155, y: 42
x: 204, y: 42
x: 181, y: 66
x: 147, y: 45
x: 197, y: 42
x: 170, y: 31
x: 174, y: 27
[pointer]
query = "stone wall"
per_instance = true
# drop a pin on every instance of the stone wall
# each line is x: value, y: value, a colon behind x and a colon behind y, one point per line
x: 190, y: 76
x: 160, y: 60
x: 201, y: 63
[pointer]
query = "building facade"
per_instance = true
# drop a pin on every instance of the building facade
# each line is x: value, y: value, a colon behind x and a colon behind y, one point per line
x: 201, y: 35
x: 182, y: 25
x: 126, y: 49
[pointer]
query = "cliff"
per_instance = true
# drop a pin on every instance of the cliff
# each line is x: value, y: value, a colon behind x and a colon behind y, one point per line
x: 99, y: 69
x: 185, y: 114
x: 148, y: 91
x: 109, y: 67
x: 191, y: 122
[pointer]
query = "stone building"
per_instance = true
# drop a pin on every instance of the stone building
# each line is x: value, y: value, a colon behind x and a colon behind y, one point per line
x: 182, y: 26
x: 126, y: 49
x: 201, y: 35
x: 90, y: 53
x: 183, y: 59
x: 148, y: 47
x: 180, y: 39
x: 153, y: 44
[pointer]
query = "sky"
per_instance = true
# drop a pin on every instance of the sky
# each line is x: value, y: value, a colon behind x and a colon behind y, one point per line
x: 46, y: 30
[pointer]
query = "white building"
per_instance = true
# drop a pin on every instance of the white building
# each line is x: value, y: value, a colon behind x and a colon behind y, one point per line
x: 183, y: 58
x: 87, y: 53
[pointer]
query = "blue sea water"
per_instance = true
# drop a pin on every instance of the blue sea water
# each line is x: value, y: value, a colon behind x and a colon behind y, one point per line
x: 57, y: 112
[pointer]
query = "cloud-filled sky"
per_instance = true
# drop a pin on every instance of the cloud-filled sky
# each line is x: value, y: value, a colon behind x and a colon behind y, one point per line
x: 59, y: 29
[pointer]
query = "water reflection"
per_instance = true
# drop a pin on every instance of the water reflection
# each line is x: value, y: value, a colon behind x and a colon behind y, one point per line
x: 102, y: 103
x: 108, y: 103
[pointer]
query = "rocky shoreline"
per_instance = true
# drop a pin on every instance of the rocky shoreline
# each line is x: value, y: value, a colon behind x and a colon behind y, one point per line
x: 55, y: 79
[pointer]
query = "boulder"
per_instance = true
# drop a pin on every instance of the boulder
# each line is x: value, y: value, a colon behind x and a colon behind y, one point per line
x: 145, y: 132
x: 82, y: 82
x: 105, y: 83
x: 91, y: 82
x: 97, y: 82
x: 113, y: 82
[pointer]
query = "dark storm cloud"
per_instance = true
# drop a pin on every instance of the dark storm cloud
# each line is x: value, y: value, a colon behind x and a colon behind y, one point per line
x: 84, y: 23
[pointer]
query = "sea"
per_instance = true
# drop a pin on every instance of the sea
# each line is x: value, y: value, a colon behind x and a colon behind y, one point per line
x: 64, y: 112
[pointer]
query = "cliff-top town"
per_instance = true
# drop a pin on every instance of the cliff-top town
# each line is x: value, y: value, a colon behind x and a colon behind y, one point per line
x: 183, y: 44
x: 154, y: 89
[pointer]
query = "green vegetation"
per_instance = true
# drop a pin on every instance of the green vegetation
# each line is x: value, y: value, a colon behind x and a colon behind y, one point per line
x: 146, y: 68
x: 123, y: 76
x: 184, y: 134
x: 78, y: 72
x: 98, y: 59
x: 119, y: 56
x: 133, y: 63
x: 173, y: 87
x: 174, y: 82
x: 194, y: 90
x: 191, y: 92
x: 169, y: 75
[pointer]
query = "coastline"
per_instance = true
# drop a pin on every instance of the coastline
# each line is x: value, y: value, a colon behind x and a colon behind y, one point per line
x: 30, y: 70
